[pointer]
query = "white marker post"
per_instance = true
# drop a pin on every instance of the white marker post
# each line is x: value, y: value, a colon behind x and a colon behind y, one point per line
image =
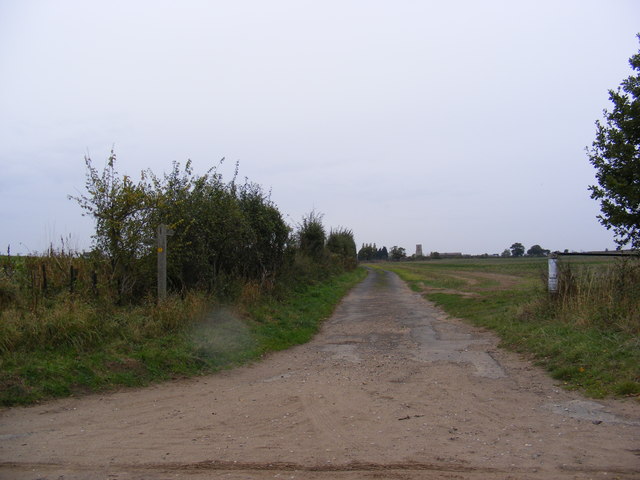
x: 553, y: 273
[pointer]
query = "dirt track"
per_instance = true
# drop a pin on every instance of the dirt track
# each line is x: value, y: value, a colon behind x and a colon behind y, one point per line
x: 390, y: 388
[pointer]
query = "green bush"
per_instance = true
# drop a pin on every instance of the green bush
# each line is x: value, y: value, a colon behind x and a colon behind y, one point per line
x: 223, y: 233
x: 342, y: 244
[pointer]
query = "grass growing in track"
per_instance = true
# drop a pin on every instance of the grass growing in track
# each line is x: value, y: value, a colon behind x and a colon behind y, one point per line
x: 279, y: 325
x: 73, y: 348
x: 508, y: 296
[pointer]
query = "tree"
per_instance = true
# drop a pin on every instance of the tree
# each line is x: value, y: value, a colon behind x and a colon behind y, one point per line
x: 517, y: 249
x: 223, y: 232
x: 537, y: 251
x: 312, y: 236
x: 341, y: 243
x: 119, y: 207
x: 366, y: 252
x: 615, y: 153
x: 505, y: 253
x: 398, y: 253
x: 382, y: 254
x: 264, y: 252
x: 369, y: 251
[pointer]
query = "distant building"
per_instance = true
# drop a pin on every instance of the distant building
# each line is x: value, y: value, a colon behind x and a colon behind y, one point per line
x: 419, y: 250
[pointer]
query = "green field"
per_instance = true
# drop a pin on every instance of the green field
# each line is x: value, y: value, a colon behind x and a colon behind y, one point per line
x: 587, y: 337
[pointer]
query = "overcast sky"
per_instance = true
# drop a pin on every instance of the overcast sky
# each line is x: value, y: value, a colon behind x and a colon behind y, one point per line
x: 459, y: 125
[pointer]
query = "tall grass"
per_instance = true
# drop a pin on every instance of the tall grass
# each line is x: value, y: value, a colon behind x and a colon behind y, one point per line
x: 605, y: 296
x: 69, y: 321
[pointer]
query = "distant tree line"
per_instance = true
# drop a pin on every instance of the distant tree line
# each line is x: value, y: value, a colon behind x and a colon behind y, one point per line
x: 518, y: 250
x: 369, y: 251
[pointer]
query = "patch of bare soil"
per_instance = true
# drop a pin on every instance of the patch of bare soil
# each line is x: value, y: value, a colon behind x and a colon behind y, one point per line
x: 499, y: 281
x: 452, y: 291
x: 503, y: 281
x: 391, y: 388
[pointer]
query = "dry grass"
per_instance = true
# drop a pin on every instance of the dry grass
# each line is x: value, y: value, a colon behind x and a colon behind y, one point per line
x: 81, y: 326
x: 606, y: 296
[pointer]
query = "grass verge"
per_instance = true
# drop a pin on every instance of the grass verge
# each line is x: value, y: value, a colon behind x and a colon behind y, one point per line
x: 73, y: 348
x: 507, y: 296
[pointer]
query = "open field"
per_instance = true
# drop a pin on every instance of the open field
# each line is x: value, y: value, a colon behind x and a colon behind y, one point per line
x: 587, y: 339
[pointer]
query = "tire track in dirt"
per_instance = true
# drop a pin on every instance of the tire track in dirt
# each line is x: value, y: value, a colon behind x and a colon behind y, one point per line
x: 407, y: 470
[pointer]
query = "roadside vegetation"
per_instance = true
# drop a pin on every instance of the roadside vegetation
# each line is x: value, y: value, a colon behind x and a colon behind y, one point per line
x: 241, y: 283
x: 587, y: 336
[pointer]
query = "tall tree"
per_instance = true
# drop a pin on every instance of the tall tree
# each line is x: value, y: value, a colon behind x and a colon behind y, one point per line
x: 517, y: 249
x: 615, y: 153
x: 119, y: 207
x: 398, y: 253
x: 312, y: 235
x: 341, y: 243
x: 382, y: 254
x: 537, y: 251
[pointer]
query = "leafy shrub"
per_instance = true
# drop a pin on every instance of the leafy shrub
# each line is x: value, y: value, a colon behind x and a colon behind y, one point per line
x: 223, y: 233
x: 342, y: 244
x: 312, y: 236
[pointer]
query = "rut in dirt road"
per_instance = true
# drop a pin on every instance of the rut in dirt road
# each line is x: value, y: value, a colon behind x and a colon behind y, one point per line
x: 390, y: 387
